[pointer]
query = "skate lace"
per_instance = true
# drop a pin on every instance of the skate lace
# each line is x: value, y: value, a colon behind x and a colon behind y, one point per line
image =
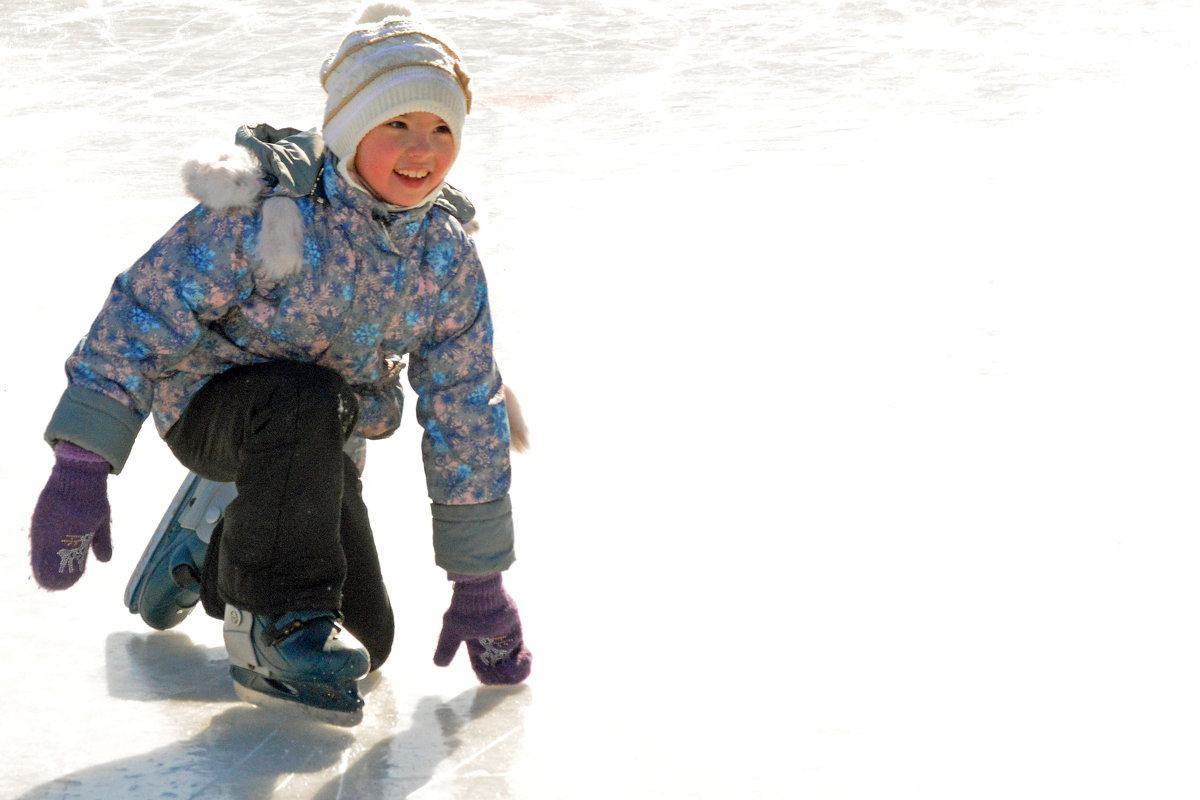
x: 275, y: 635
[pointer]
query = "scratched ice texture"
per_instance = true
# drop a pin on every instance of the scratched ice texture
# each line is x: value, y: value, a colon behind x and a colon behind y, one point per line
x: 858, y: 343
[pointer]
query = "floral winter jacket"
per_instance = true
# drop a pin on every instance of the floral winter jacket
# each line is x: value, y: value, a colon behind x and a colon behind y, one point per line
x: 373, y: 286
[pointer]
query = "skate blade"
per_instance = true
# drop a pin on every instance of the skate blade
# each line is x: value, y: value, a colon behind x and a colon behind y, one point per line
x: 315, y: 701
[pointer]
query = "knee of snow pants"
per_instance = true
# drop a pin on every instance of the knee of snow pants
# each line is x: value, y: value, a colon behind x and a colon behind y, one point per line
x: 276, y: 430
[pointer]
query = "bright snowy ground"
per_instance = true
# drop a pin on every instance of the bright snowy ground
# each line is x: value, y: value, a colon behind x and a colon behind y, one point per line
x: 859, y: 342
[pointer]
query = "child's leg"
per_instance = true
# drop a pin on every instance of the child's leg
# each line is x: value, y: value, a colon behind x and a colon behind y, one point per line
x: 277, y: 431
x: 366, y: 609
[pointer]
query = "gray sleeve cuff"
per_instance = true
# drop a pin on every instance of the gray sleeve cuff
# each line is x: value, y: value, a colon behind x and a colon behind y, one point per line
x: 95, y: 422
x: 473, y: 539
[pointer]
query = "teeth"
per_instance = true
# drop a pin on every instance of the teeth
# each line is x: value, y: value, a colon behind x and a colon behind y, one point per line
x: 412, y: 173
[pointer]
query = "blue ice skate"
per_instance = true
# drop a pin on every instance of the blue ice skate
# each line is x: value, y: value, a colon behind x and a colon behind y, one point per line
x: 165, y: 585
x: 296, y: 661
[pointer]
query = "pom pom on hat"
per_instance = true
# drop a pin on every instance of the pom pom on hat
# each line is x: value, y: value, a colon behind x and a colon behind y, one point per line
x: 378, y: 12
x: 391, y: 62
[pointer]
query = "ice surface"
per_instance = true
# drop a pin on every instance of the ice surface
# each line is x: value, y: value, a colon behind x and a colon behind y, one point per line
x: 858, y: 342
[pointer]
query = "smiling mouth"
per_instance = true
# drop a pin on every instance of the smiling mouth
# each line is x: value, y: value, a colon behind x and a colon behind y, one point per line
x: 412, y: 174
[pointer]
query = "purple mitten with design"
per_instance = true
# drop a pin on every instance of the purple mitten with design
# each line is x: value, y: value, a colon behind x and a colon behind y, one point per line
x: 71, y: 517
x: 484, y: 616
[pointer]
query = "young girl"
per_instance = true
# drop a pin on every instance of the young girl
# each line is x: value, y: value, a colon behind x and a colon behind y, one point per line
x: 265, y: 338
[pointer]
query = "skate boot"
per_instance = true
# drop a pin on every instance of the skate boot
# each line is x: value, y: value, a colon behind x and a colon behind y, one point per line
x: 294, y: 661
x: 165, y: 585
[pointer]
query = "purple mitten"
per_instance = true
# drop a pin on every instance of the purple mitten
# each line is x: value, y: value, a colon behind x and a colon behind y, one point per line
x: 71, y: 516
x: 484, y: 616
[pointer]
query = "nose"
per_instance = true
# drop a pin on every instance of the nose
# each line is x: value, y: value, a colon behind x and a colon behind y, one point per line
x: 419, y: 142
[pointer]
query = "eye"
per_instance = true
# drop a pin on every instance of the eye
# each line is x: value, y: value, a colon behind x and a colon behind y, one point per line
x: 442, y: 129
x: 398, y: 124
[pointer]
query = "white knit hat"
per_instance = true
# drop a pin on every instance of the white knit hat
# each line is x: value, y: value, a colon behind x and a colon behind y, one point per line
x: 391, y: 63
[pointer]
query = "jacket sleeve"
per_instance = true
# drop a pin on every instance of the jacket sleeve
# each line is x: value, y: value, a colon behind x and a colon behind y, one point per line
x: 153, y: 317
x: 461, y: 407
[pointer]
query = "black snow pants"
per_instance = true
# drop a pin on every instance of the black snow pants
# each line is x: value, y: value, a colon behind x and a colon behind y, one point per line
x: 297, y: 536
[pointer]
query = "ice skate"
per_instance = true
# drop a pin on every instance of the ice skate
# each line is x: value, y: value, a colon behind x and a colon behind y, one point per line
x: 296, y: 661
x: 165, y: 585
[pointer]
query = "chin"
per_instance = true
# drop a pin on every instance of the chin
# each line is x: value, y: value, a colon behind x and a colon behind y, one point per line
x: 407, y: 198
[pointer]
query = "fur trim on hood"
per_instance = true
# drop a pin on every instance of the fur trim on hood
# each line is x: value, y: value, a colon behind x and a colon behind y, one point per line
x: 223, y: 179
x: 231, y: 178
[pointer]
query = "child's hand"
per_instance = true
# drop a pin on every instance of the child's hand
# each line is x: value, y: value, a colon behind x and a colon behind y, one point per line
x: 71, y: 517
x: 484, y: 616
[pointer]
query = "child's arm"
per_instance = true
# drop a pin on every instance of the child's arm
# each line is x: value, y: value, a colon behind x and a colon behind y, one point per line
x: 461, y: 406
x: 152, y: 319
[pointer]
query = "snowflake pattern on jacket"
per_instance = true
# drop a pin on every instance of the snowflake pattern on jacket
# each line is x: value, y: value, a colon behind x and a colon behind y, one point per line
x: 373, y: 285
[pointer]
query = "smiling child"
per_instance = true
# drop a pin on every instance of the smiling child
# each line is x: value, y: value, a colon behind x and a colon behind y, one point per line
x: 260, y: 371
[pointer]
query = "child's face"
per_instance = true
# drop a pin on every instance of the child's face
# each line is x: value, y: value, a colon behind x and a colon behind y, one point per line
x: 406, y: 158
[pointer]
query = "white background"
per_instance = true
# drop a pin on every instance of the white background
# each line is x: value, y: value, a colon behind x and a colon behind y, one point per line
x: 858, y: 343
